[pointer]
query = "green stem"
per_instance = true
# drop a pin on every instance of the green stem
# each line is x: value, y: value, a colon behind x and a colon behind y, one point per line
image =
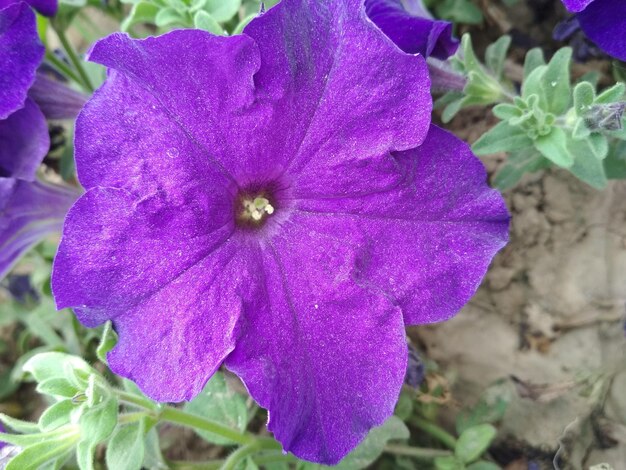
x: 176, y: 416
x: 417, y: 452
x: 134, y: 400
x: 127, y: 418
x: 435, y: 431
x: 239, y: 455
x: 61, y: 67
x: 75, y: 60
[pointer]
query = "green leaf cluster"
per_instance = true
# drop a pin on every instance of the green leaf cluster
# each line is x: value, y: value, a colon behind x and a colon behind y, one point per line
x: 219, y: 17
x: 82, y: 415
x: 553, y: 123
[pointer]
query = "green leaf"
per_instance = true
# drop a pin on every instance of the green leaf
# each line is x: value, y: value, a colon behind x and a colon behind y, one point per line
x: 203, y: 20
x: 451, y: 110
x: 169, y: 16
x: 554, y: 147
x: 556, y: 82
x: 586, y: 166
x: 222, y: 10
x: 107, y: 342
x: 243, y: 23
x: 534, y: 58
x: 126, y: 448
x: 56, y: 415
x: 50, y: 365
x: 532, y: 85
x: 506, y: 111
x: 24, y: 427
x: 33, y: 457
x: 459, y: 11
x: 448, y: 463
x: 501, y: 138
x: 495, y: 400
x: 517, y: 165
x: 57, y: 387
x: 404, y: 407
x: 495, y: 55
x: 219, y: 403
x: 483, y: 465
x: 580, y: 131
x: 599, y: 145
x: 153, y: 458
x: 372, y: 446
x: 473, y: 442
x: 614, y: 164
x: 612, y: 94
x: 141, y: 12
x: 584, y: 95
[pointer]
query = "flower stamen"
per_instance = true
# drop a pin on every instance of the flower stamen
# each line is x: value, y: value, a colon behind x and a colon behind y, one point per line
x: 256, y: 209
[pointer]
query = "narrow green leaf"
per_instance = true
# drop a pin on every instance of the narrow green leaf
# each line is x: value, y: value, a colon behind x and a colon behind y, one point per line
x: 55, y: 365
x: 501, y: 138
x: 448, y: 463
x: 24, y: 427
x: 57, y: 387
x: 168, y: 17
x: 222, y: 10
x: 33, y: 457
x: 506, y: 111
x: 495, y: 55
x: 126, y: 448
x: 556, y: 82
x: 141, y: 12
x: 372, y: 446
x: 612, y: 94
x: 56, y: 415
x: 586, y: 166
x: 107, y: 342
x: 219, y: 403
x: 534, y: 58
x: 243, y: 23
x: 473, y: 442
x: 554, y: 147
x: 584, y: 95
x: 599, y: 145
x: 203, y: 20
x: 614, y: 164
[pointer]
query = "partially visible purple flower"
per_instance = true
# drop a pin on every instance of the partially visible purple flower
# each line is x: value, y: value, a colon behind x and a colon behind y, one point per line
x: 29, y: 212
x: 21, y: 52
x: 277, y: 202
x: 604, y: 22
x: 412, y: 28
x: 55, y: 99
x: 415, y: 370
x: 45, y: 7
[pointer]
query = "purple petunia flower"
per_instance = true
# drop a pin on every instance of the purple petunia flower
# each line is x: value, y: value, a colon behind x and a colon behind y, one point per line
x: 276, y: 202
x: 604, y: 22
x: 411, y: 27
x: 29, y: 210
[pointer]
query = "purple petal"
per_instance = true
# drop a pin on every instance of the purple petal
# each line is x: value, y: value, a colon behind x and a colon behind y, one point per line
x: 604, y: 22
x: 579, y: 5
x: 155, y: 267
x: 29, y: 212
x: 324, y: 356
x: 21, y: 53
x: 24, y: 142
x: 55, y: 99
x: 198, y: 85
x: 45, y: 7
x: 412, y: 29
x: 329, y: 100
x: 432, y: 237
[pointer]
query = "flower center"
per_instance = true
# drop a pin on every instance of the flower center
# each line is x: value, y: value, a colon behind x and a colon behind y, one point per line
x: 255, y: 210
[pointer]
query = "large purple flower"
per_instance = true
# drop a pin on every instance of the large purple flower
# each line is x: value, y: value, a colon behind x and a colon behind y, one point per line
x: 276, y: 202
x: 411, y: 27
x: 604, y: 22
